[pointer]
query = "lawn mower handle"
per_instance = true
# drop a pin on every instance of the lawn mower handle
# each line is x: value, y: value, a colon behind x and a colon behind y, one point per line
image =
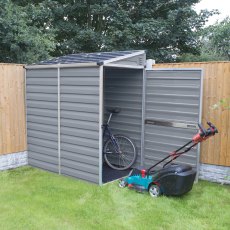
x: 204, y: 133
x: 207, y: 132
x: 201, y: 136
x: 202, y: 130
x: 212, y: 126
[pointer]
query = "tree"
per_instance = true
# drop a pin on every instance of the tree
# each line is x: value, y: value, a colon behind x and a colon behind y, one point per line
x: 20, y: 40
x: 214, y: 43
x: 218, y: 38
x: 166, y: 28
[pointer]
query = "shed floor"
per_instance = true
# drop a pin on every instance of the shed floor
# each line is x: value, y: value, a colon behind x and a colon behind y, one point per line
x: 110, y: 174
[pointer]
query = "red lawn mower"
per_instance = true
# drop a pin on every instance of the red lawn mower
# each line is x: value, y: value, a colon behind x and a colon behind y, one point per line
x: 171, y: 179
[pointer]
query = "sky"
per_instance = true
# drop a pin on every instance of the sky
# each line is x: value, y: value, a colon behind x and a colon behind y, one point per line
x: 222, y: 5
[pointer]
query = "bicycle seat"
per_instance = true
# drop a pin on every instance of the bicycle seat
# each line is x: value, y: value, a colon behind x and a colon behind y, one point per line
x: 114, y: 110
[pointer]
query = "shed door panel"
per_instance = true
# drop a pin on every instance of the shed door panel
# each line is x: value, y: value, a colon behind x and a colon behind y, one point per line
x: 79, y: 102
x: 172, y: 111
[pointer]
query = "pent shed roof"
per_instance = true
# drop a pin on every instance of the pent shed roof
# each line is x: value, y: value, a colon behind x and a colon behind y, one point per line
x: 100, y: 57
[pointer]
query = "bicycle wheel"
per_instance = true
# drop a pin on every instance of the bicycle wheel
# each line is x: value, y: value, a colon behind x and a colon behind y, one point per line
x: 120, y: 160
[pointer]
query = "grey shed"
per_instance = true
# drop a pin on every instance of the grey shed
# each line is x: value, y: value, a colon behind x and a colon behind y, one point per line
x: 66, y: 100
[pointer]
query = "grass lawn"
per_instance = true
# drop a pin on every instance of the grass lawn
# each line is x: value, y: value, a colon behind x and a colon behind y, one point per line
x: 35, y: 199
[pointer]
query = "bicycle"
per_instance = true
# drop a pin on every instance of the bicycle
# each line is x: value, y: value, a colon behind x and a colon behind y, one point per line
x: 119, y: 150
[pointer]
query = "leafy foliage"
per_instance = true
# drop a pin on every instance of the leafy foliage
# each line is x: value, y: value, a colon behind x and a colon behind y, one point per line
x: 218, y: 38
x: 165, y: 29
x: 215, y: 43
x: 20, y: 40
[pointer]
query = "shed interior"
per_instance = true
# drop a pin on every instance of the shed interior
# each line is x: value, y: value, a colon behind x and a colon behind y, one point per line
x: 123, y: 88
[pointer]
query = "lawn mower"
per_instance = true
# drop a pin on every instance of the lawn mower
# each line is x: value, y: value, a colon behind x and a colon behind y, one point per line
x: 172, y: 179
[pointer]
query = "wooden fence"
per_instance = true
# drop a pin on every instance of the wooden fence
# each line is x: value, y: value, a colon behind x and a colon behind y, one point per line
x: 12, y: 109
x: 216, y: 87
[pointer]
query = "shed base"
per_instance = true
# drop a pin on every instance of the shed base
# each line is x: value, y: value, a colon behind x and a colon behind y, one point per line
x: 110, y: 174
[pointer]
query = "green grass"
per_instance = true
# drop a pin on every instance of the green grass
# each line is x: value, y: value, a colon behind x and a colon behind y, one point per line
x: 35, y: 199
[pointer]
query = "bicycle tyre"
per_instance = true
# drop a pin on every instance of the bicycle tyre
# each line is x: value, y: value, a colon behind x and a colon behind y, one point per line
x: 128, y: 153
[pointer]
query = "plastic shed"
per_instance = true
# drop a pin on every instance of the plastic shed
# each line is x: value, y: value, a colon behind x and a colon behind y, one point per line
x: 66, y: 100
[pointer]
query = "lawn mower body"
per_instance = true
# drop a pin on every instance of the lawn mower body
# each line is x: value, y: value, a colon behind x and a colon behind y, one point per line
x: 175, y: 179
x: 171, y: 179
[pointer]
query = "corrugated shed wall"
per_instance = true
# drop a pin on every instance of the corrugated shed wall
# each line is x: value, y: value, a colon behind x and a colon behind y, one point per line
x: 123, y: 88
x: 171, y: 96
x: 80, y: 123
x: 42, y: 118
x: 216, y: 87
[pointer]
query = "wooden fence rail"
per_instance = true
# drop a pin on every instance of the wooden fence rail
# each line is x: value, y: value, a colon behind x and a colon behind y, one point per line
x: 216, y: 87
x: 12, y: 109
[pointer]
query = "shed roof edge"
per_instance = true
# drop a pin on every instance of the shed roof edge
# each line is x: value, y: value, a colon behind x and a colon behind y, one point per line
x: 124, y: 57
x: 89, y: 64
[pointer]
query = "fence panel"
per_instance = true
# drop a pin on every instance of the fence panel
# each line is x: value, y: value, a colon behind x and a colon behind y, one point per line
x: 12, y: 109
x: 216, y: 86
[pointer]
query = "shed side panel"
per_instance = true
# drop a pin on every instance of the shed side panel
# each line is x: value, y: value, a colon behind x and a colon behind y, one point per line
x: 79, y: 100
x: 42, y: 118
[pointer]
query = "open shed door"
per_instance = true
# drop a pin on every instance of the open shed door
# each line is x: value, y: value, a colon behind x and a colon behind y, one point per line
x: 172, y: 111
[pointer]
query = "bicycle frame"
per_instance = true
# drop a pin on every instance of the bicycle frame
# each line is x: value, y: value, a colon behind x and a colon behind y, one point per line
x: 107, y: 132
